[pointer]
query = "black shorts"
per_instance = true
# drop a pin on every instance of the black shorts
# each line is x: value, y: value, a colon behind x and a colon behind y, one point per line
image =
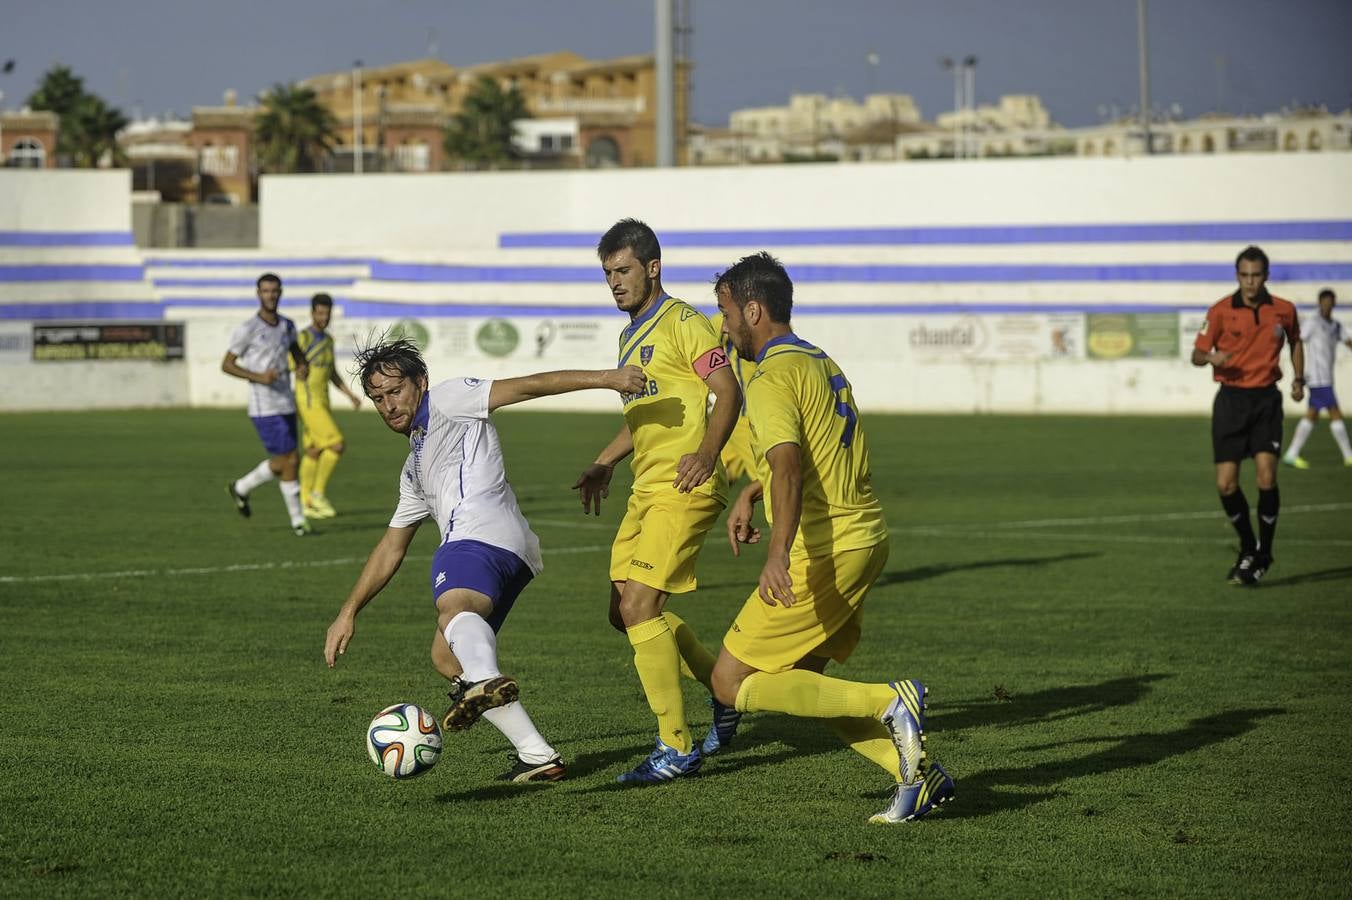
x: 1246, y: 421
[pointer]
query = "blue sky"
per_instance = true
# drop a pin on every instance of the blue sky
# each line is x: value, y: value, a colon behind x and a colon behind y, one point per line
x: 157, y: 56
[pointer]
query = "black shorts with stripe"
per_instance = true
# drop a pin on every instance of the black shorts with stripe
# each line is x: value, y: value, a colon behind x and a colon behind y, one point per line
x: 1246, y: 421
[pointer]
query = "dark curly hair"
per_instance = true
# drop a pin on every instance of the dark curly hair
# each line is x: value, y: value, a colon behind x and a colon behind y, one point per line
x: 389, y: 356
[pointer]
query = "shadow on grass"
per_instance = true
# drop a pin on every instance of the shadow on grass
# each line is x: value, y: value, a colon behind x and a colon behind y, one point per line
x: 922, y: 573
x: 1305, y: 577
x: 1051, y: 705
x: 978, y: 793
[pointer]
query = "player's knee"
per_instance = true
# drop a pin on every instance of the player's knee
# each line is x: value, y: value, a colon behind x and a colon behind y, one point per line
x: 725, y: 686
x: 336, y: 448
x: 616, y: 620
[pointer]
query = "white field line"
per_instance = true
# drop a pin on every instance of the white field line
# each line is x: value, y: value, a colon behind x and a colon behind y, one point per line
x: 999, y: 530
x: 279, y: 565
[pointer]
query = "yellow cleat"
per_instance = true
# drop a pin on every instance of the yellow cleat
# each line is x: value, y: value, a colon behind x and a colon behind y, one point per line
x: 1297, y: 462
x: 319, y: 508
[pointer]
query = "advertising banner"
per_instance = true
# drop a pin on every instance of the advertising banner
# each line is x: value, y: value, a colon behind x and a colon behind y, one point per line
x: 80, y: 342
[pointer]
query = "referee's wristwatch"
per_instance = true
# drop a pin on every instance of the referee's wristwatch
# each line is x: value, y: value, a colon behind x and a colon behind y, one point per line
x: 1299, y: 381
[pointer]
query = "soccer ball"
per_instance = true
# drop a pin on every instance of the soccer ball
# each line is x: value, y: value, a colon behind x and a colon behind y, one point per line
x: 403, y: 740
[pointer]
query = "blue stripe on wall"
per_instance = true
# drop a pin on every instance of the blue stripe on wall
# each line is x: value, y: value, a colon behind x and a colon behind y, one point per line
x: 82, y: 272
x: 1174, y: 232
x: 892, y: 274
x: 259, y: 264
x: 290, y: 284
x: 94, y: 309
x: 66, y: 239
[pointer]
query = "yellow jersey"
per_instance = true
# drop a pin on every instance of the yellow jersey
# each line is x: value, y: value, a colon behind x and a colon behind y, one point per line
x: 313, y: 392
x: 677, y: 349
x: 798, y: 395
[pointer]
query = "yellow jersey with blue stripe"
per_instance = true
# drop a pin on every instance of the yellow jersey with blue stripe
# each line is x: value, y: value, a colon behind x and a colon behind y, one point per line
x: 313, y: 392
x: 677, y: 349
x: 798, y: 395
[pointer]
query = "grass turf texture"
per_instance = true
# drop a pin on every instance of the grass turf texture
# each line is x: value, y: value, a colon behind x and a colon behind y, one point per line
x: 1118, y: 719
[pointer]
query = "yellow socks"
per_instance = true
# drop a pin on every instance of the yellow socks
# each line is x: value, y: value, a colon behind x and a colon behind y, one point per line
x: 871, y: 740
x: 696, y: 660
x: 799, y: 692
x: 658, y: 662
x: 307, y: 476
x: 324, y: 470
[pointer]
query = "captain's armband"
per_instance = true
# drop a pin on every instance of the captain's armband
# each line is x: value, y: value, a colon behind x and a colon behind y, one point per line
x: 709, y: 362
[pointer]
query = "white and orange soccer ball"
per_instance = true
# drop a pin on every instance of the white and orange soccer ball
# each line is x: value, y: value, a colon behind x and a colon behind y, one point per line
x: 403, y: 740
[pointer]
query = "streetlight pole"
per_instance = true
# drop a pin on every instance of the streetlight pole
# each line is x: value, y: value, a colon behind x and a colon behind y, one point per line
x: 950, y: 65
x: 357, y: 152
x: 969, y: 69
x: 1145, y: 76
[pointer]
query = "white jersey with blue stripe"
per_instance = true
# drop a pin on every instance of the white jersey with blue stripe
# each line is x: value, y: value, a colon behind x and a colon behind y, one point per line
x: 258, y: 347
x: 454, y: 473
x: 1321, y: 337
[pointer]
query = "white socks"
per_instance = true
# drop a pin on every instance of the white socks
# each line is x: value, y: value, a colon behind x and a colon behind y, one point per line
x: 291, y: 494
x: 476, y: 647
x: 1340, y: 435
x: 259, y: 474
x: 1306, y: 427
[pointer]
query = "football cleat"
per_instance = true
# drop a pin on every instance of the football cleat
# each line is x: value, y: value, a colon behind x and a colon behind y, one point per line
x: 905, y: 721
x: 721, y: 731
x: 301, y: 528
x: 663, y: 764
x: 470, y: 701
x: 1295, y: 462
x: 318, y: 507
x: 554, y: 770
x: 911, y: 801
x: 1348, y: 462
x: 241, y: 500
x: 1242, y: 571
x: 1259, y: 565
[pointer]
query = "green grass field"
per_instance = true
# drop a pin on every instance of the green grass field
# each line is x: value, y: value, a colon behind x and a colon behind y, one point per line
x: 1120, y: 721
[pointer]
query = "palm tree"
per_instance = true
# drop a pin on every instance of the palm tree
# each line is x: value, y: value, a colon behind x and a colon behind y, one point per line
x: 295, y: 131
x: 89, y: 126
x: 480, y: 135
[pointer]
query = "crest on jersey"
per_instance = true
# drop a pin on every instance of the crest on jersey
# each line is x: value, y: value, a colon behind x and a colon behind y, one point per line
x: 645, y: 354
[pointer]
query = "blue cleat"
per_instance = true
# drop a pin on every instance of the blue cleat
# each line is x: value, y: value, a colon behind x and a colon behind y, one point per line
x: 724, y: 727
x: 911, y: 801
x: 905, y: 721
x: 663, y: 764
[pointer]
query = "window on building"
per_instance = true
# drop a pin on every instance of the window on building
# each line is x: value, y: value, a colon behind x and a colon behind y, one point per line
x: 27, y: 153
x: 1315, y: 141
x: 220, y: 161
x: 414, y: 157
x: 1208, y: 144
x: 603, y: 152
x: 565, y: 142
x: 546, y: 143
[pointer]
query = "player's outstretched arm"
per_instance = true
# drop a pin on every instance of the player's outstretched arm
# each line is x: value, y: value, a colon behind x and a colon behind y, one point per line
x: 505, y: 392
x: 786, y: 502
x: 302, y: 364
x: 694, y: 469
x: 341, y: 385
x: 593, y: 485
x: 380, y: 567
x: 1209, y: 358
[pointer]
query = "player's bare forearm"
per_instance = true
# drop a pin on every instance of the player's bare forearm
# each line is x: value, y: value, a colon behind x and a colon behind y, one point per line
x: 786, y: 495
x: 618, y: 449
x: 723, y: 417
x: 230, y: 367
x: 1298, y: 366
x: 506, y: 391
x: 380, y: 567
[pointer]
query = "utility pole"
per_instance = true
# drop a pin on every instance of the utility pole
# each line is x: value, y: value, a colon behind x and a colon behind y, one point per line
x: 1145, y: 77
x: 969, y: 69
x: 949, y: 64
x: 664, y: 41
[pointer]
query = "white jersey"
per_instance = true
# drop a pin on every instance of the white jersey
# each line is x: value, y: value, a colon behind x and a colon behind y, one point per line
x: 258, y: 347
x: 1321, y: 338
x: 454, y: 473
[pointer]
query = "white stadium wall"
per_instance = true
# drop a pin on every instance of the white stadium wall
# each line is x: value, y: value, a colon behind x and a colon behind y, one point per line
x: 1051, y: 285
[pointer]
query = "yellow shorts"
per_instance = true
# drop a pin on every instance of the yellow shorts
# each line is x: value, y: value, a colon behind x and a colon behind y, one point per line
x: 320, y: 429
x: 825, y: 621
x: 660, y: 537
x: 738, y: 457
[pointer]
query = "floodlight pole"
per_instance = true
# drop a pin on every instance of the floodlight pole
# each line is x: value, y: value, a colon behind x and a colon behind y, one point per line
x: 949, y: 64
x: 1145, y: 76
x: 357, y: 152
x: 664, y: 44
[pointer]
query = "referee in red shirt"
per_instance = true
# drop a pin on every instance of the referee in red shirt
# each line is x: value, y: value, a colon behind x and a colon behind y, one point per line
x: 1242, y: 342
